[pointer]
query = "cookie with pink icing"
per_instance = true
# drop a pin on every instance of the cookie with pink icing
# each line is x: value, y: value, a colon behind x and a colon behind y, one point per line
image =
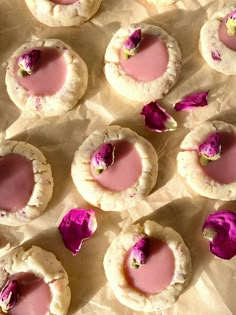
x: 114, y: 168
x: 57, y: 13
x: 46, y: 77
x: 147, y: 266
x: 26, y: 182
x: 142, y: 62
x: 33, y: 282
x: 217, y: 43
x: 206, y: 160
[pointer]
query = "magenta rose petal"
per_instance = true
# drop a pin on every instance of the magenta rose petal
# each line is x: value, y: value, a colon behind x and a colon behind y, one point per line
x: 157, y: 119
x: 192, y: 101
x: 220, y: 230
x: 76, y: 226
x: 103, y: 158
x: 131, y: 45
x: 210, y: 149
x: 29, y: 62
x: 140, y: 252
x: 9, y: 296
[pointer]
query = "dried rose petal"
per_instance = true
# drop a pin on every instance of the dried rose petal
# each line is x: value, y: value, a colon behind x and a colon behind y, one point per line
x: 9, y: 296
x: 230, y: 23
x: 157, y: 119
x: 192, y: 101
x: 215, y: 55
x: 29, y: 62
x: 76, y: 226
x: 140, y: 252
x: 220, y: 229
x: 103, y: 158
x: 210, y: 149
x: 131, y: 45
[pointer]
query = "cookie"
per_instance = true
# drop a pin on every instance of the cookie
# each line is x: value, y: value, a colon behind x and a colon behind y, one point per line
x: 217, y: 179
x: 152, y: 69
x: 216, y: 46
x: 38, y: 278
x: 46, y: 77
x: 26, y: 183
x: 147, y: 266
x: 58, y: 13
x: 128, y: 179
x: 161, y: 2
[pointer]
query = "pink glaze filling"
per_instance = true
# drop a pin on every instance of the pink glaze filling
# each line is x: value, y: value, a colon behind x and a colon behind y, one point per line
x: 50, y: 75
x: 227, y: 40
x: 16, y: 182
x: 223, y: 170
x: 150, y: 62
x: 66, y: 2
x: 158, y: 271
x: 35, y: 295
x: 125, y: 170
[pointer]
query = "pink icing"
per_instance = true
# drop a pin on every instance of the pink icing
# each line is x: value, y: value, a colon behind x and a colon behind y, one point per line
x: 223, y: 170
x: 125, y: 171
x: 66, y: 2
x: 16, y: 182
x: 35, y: 295
x: 227, y: 40
x: 158, y: 271
x: 150, y: 62
x: 49, y: 76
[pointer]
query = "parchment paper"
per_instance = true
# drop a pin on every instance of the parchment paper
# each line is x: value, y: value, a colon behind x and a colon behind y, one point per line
x: 213, y: 283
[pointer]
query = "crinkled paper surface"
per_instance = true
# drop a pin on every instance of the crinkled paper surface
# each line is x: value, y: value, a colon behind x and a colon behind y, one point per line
x: 213, y: 283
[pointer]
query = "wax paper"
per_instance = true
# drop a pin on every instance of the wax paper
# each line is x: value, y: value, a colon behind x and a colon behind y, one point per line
x: 172, y: 203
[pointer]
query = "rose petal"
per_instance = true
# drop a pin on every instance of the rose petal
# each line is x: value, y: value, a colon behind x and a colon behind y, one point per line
x: 157, y: 119
x: 76, y: 226
x: 103, y: 158
x: 210, y: 149
x: 230, y: 23
x: 221, y: 226
x: 9, y: 296
x: 131, y: 45
x: 29, y: 62
x: 140, y: 252
x: 192, y: 101
x: 216, y: 55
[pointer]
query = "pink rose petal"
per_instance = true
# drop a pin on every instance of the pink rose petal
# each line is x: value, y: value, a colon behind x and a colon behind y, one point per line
x: 215, y: 55
x: 220, y: 230
x: 76, y: 226
x: 157, y: 119
x: 192, y: 101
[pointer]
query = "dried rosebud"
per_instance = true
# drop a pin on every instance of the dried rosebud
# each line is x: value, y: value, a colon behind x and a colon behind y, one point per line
x: 157, y: 119
x: 76, y: 226
x: 140, y: 252
x: 192, y: 101
x: 103, y: 158
x: 9, y: 296
x: 230, y: 23
x: 29, y: 62
x: 220, y: 229
x: 131, y: 45
x: 210, y: 149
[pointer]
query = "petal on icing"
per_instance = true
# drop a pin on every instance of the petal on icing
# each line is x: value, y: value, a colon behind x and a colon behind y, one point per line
x: 103, y: 158
x: 140, y: 252
x: 76, y: 226
x: 210, y: 149
x: 9, y: 296
x: 220, y: 230
x: 29, y: 62
x: 157, y: 119
x: 230, y: 23
x: 192, y: 101
x: 131, y: 45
